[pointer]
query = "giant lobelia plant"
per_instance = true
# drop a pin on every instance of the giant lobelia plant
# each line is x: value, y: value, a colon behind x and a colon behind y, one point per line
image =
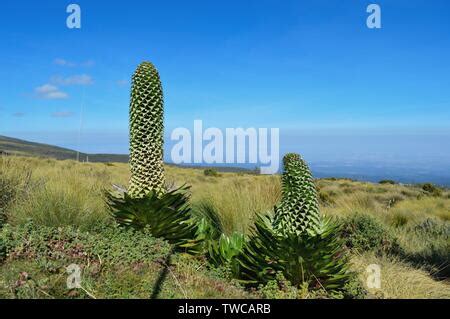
x: 148, y: 202
x: 296, y: 241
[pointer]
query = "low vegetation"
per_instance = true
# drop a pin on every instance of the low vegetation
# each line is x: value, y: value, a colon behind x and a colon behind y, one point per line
x: 55, y: 214
x: 211, y: 172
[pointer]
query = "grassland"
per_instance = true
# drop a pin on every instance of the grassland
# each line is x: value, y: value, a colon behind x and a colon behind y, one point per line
x: 54, y: 214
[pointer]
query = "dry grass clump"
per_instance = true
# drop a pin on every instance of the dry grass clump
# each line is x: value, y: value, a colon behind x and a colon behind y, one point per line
x: 415, y: 210
x: 400, y: 280
x: 56, y: 193
x: 237, y: 200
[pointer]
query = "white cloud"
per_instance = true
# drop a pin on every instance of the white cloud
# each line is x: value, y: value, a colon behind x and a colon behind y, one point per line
x: 62, y: 114
x: 123, y: 82
x: 46, y: 88
x: 50, y: 92
x: 66, y: 63
x: 88, y: 63
x: 57, y: 95
x: 82, y: 79
x: 63, y: 62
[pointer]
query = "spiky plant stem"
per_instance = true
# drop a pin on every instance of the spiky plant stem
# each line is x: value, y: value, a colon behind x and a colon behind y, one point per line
x: 298, y: 211
x: 146, y: 132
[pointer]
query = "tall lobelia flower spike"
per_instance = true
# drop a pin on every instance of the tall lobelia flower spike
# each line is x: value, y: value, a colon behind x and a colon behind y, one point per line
x: 146, y: 132
x: 298, y: 212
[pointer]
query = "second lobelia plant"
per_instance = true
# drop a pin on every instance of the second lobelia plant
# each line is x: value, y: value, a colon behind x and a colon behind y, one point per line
x: 296, y: 241
x: 148, y: 202
x: 298, y: 211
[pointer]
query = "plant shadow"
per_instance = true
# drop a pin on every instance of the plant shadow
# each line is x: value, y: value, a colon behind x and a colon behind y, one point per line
x: 162, y: 276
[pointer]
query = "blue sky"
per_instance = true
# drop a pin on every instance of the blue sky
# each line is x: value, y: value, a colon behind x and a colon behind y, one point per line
x: 310, y: 68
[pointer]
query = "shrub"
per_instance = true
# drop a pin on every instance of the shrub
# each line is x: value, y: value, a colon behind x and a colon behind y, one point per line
x: 433, y: 228
x: 431, y: 189
x: 211, y: 172
x: 354, y: 289
x: 387, y: 181
x: 364, y: 233
x: 109, y: 243
x: 2, y: 250
x: 279, y: 288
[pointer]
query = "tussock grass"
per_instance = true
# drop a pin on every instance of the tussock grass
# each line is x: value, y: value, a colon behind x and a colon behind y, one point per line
x: 400, y: 280
x: 416, y: 210
x: 61, y: 193
x: 57, y: 193
x: 238, y: 200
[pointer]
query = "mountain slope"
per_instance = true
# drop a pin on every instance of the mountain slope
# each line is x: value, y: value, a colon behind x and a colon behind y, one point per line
x: 16, y: 146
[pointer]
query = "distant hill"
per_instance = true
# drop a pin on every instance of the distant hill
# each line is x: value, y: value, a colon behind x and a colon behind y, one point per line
x: 14, y: 146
